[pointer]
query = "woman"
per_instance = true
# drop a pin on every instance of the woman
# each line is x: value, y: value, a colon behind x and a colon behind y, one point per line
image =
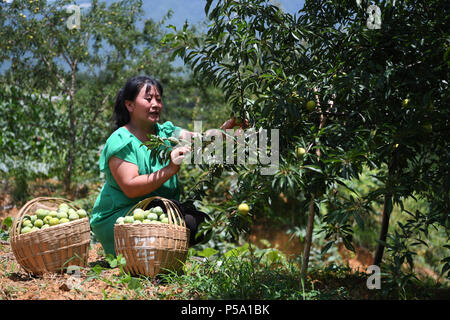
x: 131, y: 174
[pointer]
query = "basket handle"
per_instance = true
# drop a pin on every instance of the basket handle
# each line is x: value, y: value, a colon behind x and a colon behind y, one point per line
x: 173, y: 212
x: 21, y: 214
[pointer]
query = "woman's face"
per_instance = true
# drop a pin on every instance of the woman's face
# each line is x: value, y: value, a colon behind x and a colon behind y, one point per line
x: 147, y: 106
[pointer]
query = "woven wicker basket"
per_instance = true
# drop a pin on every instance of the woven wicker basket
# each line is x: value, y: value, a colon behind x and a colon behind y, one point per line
x: 150, y: 249
x: 52, y: 249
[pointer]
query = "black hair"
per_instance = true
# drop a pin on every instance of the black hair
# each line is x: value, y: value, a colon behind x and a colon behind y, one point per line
x: 130, y: 91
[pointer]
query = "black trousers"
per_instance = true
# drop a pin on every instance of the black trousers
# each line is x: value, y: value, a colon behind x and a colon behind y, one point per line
x: 192, y: 217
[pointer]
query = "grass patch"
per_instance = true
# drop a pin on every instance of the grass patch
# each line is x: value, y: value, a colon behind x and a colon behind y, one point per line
x: 254, y: 277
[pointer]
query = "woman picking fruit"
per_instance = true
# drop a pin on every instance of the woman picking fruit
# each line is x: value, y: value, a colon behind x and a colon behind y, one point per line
x: 131, y: 173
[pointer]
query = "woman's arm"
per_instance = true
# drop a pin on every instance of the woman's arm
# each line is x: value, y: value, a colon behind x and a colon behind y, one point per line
x: 229, y: 124
x: 135, y: 185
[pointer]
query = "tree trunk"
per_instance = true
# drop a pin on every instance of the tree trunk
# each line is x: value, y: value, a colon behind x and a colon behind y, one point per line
x: 308, y: 239
x: 68, y: 173
x: 387, y: 209
x: 72, y: 132
x: 310, y: 228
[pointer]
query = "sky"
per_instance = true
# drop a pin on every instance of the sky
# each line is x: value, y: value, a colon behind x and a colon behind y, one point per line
x: 191, y: 10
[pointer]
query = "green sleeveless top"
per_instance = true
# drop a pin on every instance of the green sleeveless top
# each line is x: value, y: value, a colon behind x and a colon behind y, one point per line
x: 112, y: 203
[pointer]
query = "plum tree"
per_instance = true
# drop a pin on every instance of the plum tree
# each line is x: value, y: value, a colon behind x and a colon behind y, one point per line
x: 259, y: 55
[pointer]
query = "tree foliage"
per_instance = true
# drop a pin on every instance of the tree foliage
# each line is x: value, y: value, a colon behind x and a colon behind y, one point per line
x: 79, y: 68
x: 270, y: 64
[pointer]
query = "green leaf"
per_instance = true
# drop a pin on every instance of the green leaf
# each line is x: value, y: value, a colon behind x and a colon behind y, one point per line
x: 445, y: 268
x: 345, y: 186
x: 313, y: 168
x: 410, y: 261
x: 359, y: 220
x: 348, y: 244
x: 208, y: 252
x: 111, y: 260
x: 97, y: 269
x: 237, y: 251
x: 327, y: 247
x: 420, y: 242
x: 8, y: 221
x: 134, y: 283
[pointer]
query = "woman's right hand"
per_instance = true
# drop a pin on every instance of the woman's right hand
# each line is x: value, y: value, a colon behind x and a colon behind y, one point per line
x: 177, y: 156
x: 235, y: 122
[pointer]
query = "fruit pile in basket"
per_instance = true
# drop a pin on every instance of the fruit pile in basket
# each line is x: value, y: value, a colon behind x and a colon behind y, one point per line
x: 43, y: 218
x: 153, y: 215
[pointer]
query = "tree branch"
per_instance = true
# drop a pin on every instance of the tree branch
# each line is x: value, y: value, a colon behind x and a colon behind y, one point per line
x: 61, y: 79
x: 93, y: 120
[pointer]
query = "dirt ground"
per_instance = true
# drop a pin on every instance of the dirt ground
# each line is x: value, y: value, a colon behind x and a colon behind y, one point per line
x: 17, y: 284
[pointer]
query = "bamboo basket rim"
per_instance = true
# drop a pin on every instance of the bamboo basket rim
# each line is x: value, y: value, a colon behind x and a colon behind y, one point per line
x: 17, y: 224
x: 173, y: 212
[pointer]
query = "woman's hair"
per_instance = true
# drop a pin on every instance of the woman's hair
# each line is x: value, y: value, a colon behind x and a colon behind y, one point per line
x: 129, y: 92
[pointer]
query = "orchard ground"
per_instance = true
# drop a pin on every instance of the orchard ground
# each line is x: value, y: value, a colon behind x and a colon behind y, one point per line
x: 98, y: 281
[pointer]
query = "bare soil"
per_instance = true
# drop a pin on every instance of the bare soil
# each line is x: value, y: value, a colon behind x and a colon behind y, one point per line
x: 17, y: 284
